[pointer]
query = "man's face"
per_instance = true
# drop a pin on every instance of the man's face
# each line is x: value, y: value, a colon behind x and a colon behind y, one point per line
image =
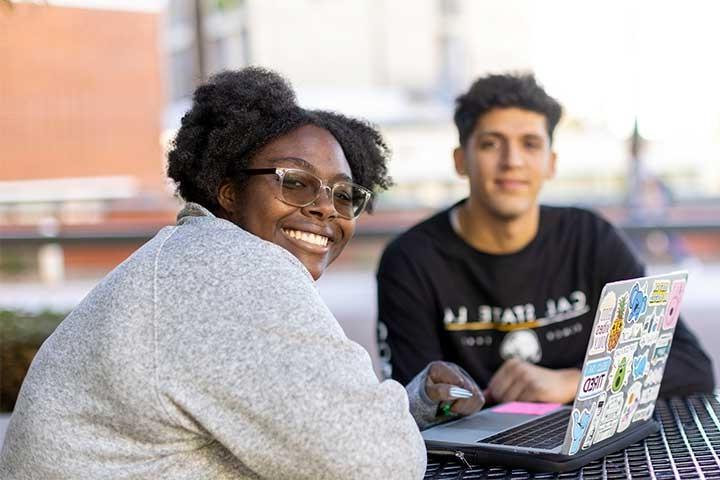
x: 507, y: 159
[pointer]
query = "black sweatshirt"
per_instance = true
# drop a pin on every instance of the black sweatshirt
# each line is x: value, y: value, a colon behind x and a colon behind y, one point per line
x: 441, y: 299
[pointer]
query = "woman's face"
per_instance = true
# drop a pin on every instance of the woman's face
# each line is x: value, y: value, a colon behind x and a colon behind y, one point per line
x: 259, y: 209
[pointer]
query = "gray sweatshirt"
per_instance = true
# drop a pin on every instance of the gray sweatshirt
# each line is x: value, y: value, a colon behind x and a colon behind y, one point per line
x: 208, y: 354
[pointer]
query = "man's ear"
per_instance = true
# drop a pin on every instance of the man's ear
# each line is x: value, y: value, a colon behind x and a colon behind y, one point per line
x: 550, y: 172
x: 227, y: 196
x: 459, y: 157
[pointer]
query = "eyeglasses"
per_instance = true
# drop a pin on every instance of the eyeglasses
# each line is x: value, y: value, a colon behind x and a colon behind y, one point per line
x: 300, y: 188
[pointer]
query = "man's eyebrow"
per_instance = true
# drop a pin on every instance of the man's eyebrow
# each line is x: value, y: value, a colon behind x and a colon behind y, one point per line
x: 500, y: 135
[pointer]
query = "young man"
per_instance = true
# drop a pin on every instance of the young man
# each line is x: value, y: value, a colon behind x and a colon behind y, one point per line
x: 499, y: 284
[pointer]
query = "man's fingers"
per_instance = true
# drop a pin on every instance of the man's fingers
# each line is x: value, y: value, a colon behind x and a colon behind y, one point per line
x: 503, y: 385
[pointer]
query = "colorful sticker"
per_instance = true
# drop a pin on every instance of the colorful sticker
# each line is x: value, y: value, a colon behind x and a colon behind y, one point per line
x: 659, y: 293
x: 580, y: 424
x: 631, y: 404
x: 622, y: 365
x: 602, y: 328
x: 650, y: 394
x: 637, y: 303
x: 643, y: 413
x: 641, y: 363
x: 617, y: 324
x: 673, y: 309
x: 611, y: 414
x: 631, y: 333
x: 597, y: 409
x: 651, y: 328
x: 654, y: 376
x: 594, y: 377
x: 662, y: 349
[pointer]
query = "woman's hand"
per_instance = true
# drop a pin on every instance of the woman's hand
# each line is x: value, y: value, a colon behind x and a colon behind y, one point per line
x: 443, y: 378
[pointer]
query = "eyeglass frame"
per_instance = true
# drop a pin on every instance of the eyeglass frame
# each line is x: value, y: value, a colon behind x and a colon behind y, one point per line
x: 281, y: 171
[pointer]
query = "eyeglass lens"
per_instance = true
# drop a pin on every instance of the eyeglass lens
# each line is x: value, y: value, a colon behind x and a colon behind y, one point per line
x: 301, y: 188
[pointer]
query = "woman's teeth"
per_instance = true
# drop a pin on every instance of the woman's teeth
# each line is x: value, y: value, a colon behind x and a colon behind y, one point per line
x: 308, y: 237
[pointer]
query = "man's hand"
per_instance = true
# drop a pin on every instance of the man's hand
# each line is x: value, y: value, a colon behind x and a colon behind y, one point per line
x: 523, y: 381
x: 441, y: 377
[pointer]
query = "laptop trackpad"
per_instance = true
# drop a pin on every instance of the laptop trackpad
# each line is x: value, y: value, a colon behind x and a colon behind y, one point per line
x: 476, y: 427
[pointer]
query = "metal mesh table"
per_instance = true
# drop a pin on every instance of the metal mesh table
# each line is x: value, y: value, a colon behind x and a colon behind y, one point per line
x: 687, y: 446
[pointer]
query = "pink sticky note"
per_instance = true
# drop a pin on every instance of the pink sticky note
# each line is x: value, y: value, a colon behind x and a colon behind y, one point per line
x: 526, y: 408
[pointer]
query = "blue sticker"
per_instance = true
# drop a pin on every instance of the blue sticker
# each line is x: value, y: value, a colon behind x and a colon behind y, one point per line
x: 580, y: 424
x: 640, y: 365
x: 638, y: 303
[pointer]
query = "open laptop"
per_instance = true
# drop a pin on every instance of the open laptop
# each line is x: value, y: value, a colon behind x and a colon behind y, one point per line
x: 624, y: 365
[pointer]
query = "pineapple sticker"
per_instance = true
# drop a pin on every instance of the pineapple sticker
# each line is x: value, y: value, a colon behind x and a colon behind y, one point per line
x: 617, y: 325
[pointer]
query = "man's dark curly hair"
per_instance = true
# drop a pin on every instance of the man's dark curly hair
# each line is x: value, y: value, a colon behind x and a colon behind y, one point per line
x: 504, y: 91
x: 236, y: 113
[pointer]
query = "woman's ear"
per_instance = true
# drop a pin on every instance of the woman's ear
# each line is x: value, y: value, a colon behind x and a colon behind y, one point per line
x: 227, y: 196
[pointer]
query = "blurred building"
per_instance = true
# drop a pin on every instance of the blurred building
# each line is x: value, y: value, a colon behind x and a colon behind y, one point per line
x: 92, y: 92
x: 81, y: 103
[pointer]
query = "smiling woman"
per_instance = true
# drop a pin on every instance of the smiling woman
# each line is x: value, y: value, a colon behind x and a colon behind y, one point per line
x: 209, y: 352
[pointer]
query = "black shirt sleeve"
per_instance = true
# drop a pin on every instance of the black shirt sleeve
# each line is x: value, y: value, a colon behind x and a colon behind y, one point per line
x: 688, y: 369
x: 407, y: 335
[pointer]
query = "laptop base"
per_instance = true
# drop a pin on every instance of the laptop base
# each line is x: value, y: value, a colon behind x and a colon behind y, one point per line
x: 486, y: 454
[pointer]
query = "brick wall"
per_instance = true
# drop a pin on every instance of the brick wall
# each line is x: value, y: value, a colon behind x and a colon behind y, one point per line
x: 80, y: 93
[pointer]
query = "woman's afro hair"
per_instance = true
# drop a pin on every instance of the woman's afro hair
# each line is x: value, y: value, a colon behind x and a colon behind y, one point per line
x: 236, y: 113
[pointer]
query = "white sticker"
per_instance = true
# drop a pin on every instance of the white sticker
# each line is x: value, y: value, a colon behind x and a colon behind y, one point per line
x: 651, y: 328
x: 602, y: 328
x: 654, y: 376
x: 597, y: 409
x: 662, y: 349
x: 643, y: 413
x: 607, y: 425
x: 631, y: 404
x: 594, y: 377
x: 650, y: 394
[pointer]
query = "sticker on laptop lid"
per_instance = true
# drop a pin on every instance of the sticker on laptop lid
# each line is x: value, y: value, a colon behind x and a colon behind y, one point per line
x: 611, y: 415
x: 597, y: 414
x: 643, y: 413
x: 641, y: 364
x: 651, y: 327
x: 580, y: 424
x: 618, y: 323
x: 654, y: 375
x: 637, y: 302
x: 673, y: 308
x: 631, y: 404
x: 659, y: 293
x: 602, y: 328
x: 526, y: 408
x: 662, y: 349
x: 594, y: 377
x: 650, y: 394
x: 622, y: 366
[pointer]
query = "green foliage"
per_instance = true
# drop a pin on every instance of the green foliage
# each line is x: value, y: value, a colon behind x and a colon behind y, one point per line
x: 21, y: 334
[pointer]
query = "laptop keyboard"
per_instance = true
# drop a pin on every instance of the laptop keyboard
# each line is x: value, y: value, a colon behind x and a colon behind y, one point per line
x: 546, y: 432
